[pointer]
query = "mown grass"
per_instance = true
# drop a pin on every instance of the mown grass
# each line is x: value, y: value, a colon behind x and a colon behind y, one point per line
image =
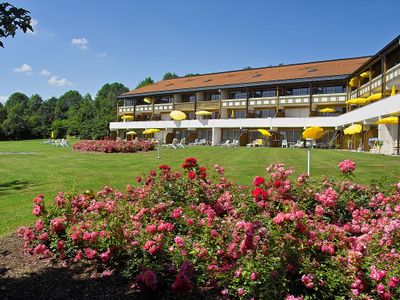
x: 53, y: 169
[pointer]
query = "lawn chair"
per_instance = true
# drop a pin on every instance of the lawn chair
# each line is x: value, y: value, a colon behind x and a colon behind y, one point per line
x: 259, y: 143
x: 252, y: 144
x: 195, y: 143
x: 181, y: 144
x: 64, y: 143
x: 299, y: 144
x: 173, y: 144
x: 285, y: 144
x: 235, y: 143
x: 226, y: 144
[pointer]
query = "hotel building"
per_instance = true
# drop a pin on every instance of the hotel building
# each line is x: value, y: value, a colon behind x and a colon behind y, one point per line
x: 283, y: 99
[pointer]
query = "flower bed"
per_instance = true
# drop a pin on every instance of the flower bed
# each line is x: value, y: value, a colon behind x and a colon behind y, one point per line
x: 111, y: 146
x: 176, y: 233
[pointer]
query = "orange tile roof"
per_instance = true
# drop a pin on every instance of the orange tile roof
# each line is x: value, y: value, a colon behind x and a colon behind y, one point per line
x: 258, y: 75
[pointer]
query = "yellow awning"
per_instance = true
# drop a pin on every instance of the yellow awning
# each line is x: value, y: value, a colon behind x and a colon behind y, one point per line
x: 388, y: 120
x: 151, y: 130
x: 374, y: 97
x: 131, y: 132
x: 177, y: 115
x: 127, y: 117
x: 353, y: 129
x: 203, y: 113
x: 357, y: 101
x: 148, y: 100
x: 327, y: 110
x: 264, y: 132
x: 313, y: 133
x: 393, y: 93
x: 365, y: 74
x: 353, y: 82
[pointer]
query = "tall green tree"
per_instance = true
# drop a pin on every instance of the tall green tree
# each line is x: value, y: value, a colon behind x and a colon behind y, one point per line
x: 13, y: 19
x: 170, y: 75
x: 144, y: 82
x: 105, y: 105
x: 67, y: 101
x: 16, y: 125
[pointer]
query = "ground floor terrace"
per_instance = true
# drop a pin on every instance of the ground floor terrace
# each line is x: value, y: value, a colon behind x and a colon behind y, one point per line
x: 285, y: 131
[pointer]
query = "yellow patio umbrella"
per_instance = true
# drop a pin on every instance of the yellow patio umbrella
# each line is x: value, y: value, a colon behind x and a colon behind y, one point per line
x: 353, y: 82
x: 313, y: 133
x: 151, y: 130
x: 365, y: 74
x: 374, y: 97
x: 148, y: 100
x: 203, y: 113
x: 52, y: 135
x: 264, y: 132
x: 327, y: 110
x: 393, y: 93
x: 131, y: 132
x: 353, y: 129
x: 177, y: 115
x: 127, y: 117
x: 233, y: 114
x: 388, y: 120
x: 357, y: 101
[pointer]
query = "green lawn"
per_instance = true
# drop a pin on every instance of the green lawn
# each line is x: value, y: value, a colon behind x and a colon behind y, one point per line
x: 22, y: 177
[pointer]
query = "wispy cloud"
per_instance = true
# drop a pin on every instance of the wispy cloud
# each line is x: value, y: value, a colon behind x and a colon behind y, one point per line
x: 58, y: 81
x: 45, y: 73
x: 24, y: 68
x: 101, y: 54
x: 34, y: 24
x: 81, y: 42
x: 3, y: 99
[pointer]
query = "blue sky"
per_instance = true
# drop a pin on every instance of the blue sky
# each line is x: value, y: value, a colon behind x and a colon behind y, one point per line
x: 82, y: 45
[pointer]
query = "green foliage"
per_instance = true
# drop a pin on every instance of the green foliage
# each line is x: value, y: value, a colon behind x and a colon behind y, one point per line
x: 12, y: 19
x: 144, y: 82
x: 71, y: 114
x: 170, y: 75
x: 191, y: 74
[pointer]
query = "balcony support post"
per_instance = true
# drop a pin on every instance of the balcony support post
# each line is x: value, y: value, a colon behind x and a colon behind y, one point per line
x: 383, y: 80
x: 370, y: 80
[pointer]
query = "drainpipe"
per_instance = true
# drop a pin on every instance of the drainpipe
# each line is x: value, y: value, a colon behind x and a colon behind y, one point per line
x: 398, y: 135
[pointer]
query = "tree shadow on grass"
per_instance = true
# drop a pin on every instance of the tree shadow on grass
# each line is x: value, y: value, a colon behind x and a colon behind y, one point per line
x: 13, y: 185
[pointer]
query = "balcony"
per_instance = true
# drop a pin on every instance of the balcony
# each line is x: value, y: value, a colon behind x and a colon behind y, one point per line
x: 165, y: 107
x: 339, y: 98
x: 126, y: 110
x: 294, y: 100
x: 262, y: 102
x: 144, y: 108
x: 185, y: 106
x: 234, y: 103
x: 393, y: 75
x: 207, y: 105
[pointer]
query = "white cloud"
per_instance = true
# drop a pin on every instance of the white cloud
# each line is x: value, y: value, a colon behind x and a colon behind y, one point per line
x: 24, y: 68
x: 101, y: 54
x: 45, y: 73
x: 34, y: 24
x: 58, y: 81
x: 81, y: 42
x: 3, y: 99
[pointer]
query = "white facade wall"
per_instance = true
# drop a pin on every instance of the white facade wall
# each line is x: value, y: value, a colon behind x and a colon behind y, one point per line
x: 388, y: 134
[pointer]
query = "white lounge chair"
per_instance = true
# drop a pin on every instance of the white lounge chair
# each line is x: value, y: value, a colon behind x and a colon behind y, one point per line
x: 235, y: 143
x: 173, y: 144
x: 195, y: 142
x: 285, y: 144
x: 226, y: 144
x: 181, y: 144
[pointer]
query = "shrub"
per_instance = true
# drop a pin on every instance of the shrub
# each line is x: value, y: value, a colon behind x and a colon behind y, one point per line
x: 111, y: 146
x: 281, y: 239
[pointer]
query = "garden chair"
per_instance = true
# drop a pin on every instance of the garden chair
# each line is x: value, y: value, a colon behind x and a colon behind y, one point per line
x: 181, y: 144
x: 173, y: 144
x: 284, y: 144
x: 226, y: 144
x: 299, y: 144
x: 252, y: 144
x: 195, y: 143
x: 235, y: 143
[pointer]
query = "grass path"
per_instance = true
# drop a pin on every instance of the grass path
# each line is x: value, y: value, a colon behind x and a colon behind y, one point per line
x: 61, y: 169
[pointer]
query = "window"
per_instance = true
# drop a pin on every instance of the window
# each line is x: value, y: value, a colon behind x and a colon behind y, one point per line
x: 237, y: 95
x: 212, y: 97
x: 214, y: 115
x: 330, y: 89
x: 163, y: 99
x: 230, y: 134
x: 263, y: 93
x: 291, y: 135
x: 188, y: 97
x: 265, y: 113
x: 128, y: 102
x: 237, y: 114
x: 204, y: 134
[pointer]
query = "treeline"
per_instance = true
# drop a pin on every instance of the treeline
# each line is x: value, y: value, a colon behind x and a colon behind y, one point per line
x: 23, y: 117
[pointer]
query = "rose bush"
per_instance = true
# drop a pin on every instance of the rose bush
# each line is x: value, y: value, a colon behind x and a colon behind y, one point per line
x: 279, y: 239
x: 111, y: 146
